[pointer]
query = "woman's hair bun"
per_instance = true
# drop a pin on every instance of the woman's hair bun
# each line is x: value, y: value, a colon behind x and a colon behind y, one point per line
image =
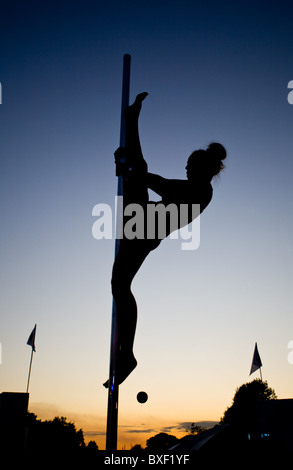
x: 217, y: 151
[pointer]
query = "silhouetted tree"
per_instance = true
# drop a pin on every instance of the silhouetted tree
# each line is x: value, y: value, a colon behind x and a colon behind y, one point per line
x: 53, y: 437
x: 92, y: 446
x: 161, y: 442
x: 136, y: 448
x: 89, y: 455
x: 195, y: 429
x: 242, y: 410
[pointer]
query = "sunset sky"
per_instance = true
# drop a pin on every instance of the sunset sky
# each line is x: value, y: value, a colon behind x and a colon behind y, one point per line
x: 214, y: 71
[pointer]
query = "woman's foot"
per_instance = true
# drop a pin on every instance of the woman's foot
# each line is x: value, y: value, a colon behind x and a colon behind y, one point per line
x: 140, y: 97
x: 134, y: 110
x: 126, y: 364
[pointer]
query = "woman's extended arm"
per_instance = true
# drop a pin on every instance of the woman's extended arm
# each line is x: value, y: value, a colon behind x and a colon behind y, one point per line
x: 170, y: 190
x: 157, y: 183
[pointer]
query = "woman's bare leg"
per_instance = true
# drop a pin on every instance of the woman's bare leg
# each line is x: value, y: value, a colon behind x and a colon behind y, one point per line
x: 130, y: 257
x: 132, y: 140
x: 135, y: 188
x: 131, y: 253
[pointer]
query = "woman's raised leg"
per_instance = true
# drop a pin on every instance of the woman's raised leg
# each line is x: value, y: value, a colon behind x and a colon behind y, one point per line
x: 132, y: 252
x: 132, y: 140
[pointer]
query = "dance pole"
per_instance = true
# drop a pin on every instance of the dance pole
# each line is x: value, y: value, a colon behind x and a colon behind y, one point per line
x: 112, y: 416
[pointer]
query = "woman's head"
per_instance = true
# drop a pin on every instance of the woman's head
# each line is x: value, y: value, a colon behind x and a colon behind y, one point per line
x: 206, y: 163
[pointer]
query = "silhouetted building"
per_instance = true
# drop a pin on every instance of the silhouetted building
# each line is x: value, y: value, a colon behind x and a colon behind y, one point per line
x: 13, y: 410
x: 274, y: 423
x: 269, y: 434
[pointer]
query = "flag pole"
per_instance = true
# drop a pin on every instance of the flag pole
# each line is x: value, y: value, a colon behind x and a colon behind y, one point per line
x: 112, y: 415
x: 29, y: 372
x: 31, y: 342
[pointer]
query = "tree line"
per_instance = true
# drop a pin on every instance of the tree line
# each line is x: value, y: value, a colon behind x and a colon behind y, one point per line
x: 58, y: 437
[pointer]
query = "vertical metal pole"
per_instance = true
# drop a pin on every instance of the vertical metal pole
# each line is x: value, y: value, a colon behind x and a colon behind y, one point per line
x: 113, y: 393
x: 29, y: 372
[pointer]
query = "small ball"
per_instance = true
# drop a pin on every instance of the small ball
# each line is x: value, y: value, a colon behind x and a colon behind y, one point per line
x: 142, y: 397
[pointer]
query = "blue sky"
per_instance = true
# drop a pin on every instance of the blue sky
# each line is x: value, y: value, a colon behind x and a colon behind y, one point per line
x: 214, y: 72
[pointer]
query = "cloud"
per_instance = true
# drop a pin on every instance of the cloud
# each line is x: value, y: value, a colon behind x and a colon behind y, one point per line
x: 141, y: 431
x: 94, y: 433
x: 169, y: 428
x: 139, y: 428
x: 183, y: 426
x: 175, y: 428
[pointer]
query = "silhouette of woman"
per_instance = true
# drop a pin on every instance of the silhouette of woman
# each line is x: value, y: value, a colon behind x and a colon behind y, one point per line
x: 202, y: 166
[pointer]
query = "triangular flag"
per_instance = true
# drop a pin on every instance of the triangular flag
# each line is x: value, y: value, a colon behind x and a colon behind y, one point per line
x: 256, y: 361
x: 32, y: 337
